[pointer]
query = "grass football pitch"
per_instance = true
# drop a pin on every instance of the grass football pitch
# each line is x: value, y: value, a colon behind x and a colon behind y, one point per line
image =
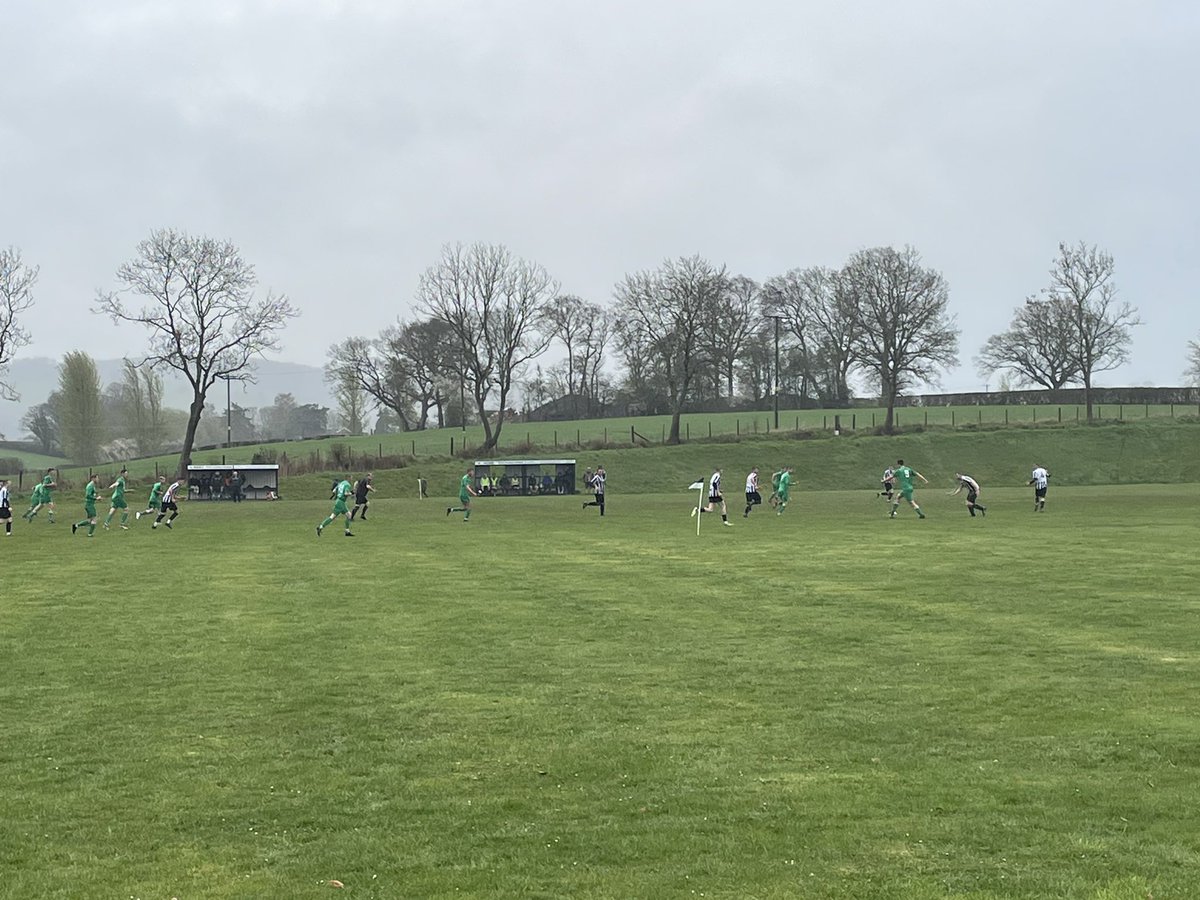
x: 544, y: 703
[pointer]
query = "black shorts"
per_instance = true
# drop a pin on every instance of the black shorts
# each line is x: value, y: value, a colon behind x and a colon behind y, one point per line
x: 887, y: 487
x: 5, y: 513
x: 753, y: 497
x: 1039, y: 492
x: 600, y: 497
x: 715, y: 498
x: 168, y: 507
x: 972, y: 496
x: 360, y: 501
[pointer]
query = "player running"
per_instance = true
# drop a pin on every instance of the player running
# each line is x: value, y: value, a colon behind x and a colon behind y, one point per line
x: 5, y: 509
x: 90, y: 493
x: 362, y: 488
x: 753, y: 497
x: 466, y: 491
x: 118, y: 501
x: 973, y: 490
x: 168, y: 504
x: 888, y: 481
x: 152, y: 504
x: 599, y: 477
x: 784, y: 491
x: 714, y: 497
x: 904, y: 475
x: 42, y: 496
x: 341, y: 491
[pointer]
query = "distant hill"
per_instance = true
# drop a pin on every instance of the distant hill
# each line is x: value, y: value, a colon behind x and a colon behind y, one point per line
x: 36, y: 377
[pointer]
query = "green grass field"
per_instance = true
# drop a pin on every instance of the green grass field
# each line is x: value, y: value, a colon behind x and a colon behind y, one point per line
x: 541, y: 703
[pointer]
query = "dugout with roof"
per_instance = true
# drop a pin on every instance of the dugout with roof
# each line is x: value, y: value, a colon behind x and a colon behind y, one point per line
x: 259, y: 481
x: 524, y: 477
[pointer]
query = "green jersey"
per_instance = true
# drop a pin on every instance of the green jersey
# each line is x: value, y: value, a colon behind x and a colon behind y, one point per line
x: 47, y: 485
x: 904, y: 474
x: 155, y: 494
x: 344, y: 490
x: 464, y: 493
x: 119, y: 488
x: 785, y: 484
x: 35, y: 496
x: 89, y: 493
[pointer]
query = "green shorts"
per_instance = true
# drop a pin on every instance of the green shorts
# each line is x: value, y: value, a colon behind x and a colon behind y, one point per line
x: 119, y: 503
x: 906, y: 494
x: 782, y: 498
x: 89, y: 510
x: 464, y: 499
x: 339, y: 508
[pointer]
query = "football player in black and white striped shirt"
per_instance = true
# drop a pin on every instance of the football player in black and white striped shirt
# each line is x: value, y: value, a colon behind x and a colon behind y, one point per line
x: 5, y: 509
x: 1040, y: 479
x: 753, y: 497
x: 972, y: 486
x: 168, y: 504
x: 714, y: 497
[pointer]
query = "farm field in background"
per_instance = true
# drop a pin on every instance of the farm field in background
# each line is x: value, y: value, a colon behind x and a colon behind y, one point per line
x: 543, y: 703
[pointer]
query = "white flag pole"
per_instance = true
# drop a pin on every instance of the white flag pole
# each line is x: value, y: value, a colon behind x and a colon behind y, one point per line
x: 698, y: 485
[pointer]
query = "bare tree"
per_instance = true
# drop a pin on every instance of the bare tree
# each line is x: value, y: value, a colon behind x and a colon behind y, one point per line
x: 1038, y: 347
x: 905, y: 336
x: 584, y: 329
x: 41, y: 421
x: 201, y: 312
x: 80, y: 407
x: 730, y: 324
x: 818, y: 312
x: 1192, y: 374
x: 372, y: 365
x: 492, y: 303
x: 662, y: 317
x: 1081, y: 286
x: 351, y: 400
x: 16, y: 296
x: 141, y: 394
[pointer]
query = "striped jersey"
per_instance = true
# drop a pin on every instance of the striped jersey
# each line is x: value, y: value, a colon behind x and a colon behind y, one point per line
x: 598, y: 480
x: 4, y: 497
x: 169, y: 496
x: 1039, y: 477
x: 714, y: 485
x: 752, y: 483
x: 970, y: 483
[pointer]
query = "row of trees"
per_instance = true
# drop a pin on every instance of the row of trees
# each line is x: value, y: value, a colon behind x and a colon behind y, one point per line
x: 685, y: 334
x: 87, y: 422
x: 689, y: 333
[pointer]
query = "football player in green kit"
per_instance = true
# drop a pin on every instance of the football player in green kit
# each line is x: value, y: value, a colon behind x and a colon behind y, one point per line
x: 904, y: 475
x: 155, y: 500
x: 89, y: 506
x: 340, y: 493
x: 466, y: 491
x: 118, y: 501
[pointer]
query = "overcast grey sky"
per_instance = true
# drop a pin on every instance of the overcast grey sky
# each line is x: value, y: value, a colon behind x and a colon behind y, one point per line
x: 340, y: 144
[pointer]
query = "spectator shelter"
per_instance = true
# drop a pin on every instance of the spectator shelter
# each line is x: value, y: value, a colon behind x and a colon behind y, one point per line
x: 524, y: 477
x: 257, y: 482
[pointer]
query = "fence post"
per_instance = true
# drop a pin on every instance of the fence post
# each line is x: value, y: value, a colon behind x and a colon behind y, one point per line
x: 981, y: 415
x: 1121, y: 411
x: 837, y: 424
x: 688, y: 429
x: 1006, y: 415
x: 710, y: 427
x: 797, y: 423
x: 853, y: 422
x: 663, y: 435
x: 1060, y: 414
x: 605, y: 435
x: 927, y: 418
x: 1077, y: 414
x: 578, y: 443
x: 414, y: 450
x: 953, y: 422
x: 824, y: 423
x: 1147, y: 410
x: 872, y: 420
x: 739, y: 427
x: 451, y: 445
